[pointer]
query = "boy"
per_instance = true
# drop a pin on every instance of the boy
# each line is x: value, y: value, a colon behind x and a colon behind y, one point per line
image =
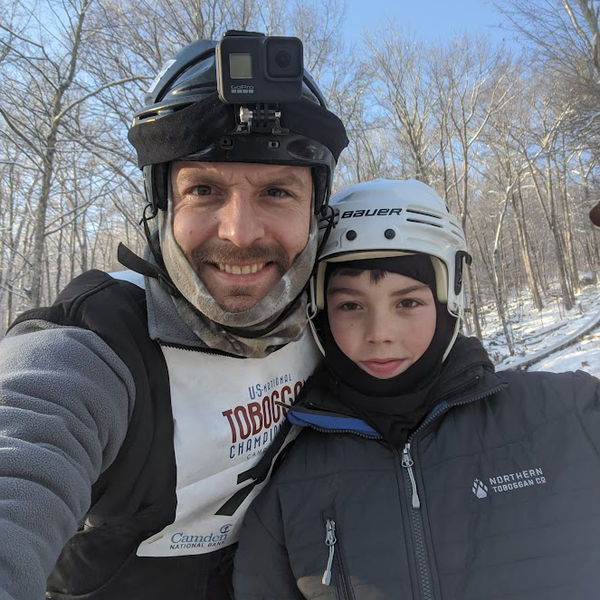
x: 421, y: 473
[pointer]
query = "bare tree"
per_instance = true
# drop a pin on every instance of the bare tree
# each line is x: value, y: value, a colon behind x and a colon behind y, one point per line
x: 565, y: 37
x: 537, y: 146
x: 473, y: 82
x: 46, y: 89
x: 402, y: 91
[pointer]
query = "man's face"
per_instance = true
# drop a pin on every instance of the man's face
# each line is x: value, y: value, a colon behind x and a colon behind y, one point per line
x: 240, y: 225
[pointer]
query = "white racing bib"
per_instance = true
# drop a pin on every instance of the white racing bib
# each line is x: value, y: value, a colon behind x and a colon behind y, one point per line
x: 226, y: 413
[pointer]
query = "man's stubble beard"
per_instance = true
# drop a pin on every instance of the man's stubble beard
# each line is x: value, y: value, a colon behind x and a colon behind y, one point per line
x: 212, y: 254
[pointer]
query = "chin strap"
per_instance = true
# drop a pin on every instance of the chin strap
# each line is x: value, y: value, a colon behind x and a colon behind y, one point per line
x: 132, y: 261
x: 136, y: 263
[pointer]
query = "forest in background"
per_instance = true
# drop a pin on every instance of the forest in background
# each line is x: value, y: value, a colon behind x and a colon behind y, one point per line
x: 508, y: 133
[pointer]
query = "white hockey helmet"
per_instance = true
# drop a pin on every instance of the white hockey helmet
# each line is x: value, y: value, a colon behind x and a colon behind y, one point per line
x: 383, y: 218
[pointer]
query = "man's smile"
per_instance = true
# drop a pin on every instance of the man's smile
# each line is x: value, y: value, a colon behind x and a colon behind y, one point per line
x: 240, y: 269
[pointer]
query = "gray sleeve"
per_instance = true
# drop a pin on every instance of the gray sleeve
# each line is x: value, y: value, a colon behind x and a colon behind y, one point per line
x: 65, y: 403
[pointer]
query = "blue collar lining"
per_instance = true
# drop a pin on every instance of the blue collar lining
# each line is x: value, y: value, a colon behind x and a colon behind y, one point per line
x: 343, y: 423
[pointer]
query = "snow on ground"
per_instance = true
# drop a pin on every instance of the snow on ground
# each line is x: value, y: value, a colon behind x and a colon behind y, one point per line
x: 535, y: 332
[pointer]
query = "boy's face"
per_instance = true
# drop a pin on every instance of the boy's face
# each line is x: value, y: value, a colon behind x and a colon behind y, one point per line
x: 383, y: 327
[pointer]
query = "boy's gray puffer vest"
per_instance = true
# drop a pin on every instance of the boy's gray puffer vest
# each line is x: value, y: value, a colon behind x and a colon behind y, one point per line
x: 495, y: 496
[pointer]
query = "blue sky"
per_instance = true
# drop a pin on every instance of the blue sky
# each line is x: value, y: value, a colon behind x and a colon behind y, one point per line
x: 431, y: 20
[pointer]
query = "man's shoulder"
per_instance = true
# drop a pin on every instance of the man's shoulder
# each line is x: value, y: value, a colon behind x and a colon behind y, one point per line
x: 94, y: 282
x: 89, y: 296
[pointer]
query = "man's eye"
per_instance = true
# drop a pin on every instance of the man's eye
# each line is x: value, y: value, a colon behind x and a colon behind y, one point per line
x: 201, y: 190
x: 277, y: 192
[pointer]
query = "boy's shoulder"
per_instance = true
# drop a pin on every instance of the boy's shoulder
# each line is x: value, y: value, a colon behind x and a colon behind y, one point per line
x: 317, y: 454
x: 568, y: 390
x: 577, y: 377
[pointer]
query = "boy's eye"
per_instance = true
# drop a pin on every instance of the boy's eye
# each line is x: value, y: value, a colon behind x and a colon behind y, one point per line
x: 409, y: 303
x: 349, y: 306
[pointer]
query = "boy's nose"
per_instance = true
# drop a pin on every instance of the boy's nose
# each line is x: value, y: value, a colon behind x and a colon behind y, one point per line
x: 239, y: 222
x: 378, y: 329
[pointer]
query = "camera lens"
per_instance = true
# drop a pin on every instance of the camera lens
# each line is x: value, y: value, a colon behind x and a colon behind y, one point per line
x: 283, y: 59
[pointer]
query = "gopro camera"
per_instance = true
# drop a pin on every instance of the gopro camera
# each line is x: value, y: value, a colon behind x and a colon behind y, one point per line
x: 254, y: 68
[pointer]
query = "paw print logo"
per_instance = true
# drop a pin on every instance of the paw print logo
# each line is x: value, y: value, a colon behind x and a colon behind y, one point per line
x: 479, y: 489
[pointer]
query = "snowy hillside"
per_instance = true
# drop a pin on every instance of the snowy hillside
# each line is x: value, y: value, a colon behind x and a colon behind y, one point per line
x: 537, y: 333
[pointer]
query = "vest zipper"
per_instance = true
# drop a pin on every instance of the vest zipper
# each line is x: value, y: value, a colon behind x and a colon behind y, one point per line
x: 330, y: 541
x: 352, y: 431
x: 407, y: 463
x: 341, y: 585
x: 416, y: 523
x: 177, y: 346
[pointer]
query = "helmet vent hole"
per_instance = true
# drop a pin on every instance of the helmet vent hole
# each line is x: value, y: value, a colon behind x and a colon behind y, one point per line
x: 425, y: 223
x: 351, y: 235
x: 273, y: 144
x: 425, y: 214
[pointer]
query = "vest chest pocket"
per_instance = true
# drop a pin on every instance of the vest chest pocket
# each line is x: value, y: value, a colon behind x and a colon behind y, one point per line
x: 335, y: 573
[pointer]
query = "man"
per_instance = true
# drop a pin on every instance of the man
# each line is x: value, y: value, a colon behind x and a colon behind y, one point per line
x: 132, y: 419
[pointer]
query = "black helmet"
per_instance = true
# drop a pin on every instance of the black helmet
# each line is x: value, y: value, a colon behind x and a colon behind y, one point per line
x: 185, y: 119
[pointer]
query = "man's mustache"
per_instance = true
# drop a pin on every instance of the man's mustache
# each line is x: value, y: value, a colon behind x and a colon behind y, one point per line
x: 227, y: 253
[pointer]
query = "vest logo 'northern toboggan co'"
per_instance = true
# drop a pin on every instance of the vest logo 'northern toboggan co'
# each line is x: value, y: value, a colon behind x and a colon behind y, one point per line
x: 508, y: 482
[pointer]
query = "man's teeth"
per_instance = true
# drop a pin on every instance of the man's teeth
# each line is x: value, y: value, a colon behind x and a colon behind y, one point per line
x: 237, y: 270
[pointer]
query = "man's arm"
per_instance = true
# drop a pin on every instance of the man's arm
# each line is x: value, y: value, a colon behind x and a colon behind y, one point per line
x: 65, y: 402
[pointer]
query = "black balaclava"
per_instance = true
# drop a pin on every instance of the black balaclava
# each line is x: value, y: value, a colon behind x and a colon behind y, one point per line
x: 394, y: 406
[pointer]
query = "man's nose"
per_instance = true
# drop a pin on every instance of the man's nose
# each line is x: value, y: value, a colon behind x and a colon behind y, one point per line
x: 378, y: 328
x: 240, y: 221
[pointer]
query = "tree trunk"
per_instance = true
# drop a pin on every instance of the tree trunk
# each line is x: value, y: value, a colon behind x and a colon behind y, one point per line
x: 474, y: 307
x: 59, y: 256
x: 561, y: 258
x: 48, y: 164
x: 522, y: 235
x: 498, y: 283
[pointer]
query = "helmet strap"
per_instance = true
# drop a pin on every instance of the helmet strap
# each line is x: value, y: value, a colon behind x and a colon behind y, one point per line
x: 132, y: 261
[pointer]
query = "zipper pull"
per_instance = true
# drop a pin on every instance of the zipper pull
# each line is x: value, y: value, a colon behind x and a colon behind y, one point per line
x: 407, y: 463
x: 330, y: 541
